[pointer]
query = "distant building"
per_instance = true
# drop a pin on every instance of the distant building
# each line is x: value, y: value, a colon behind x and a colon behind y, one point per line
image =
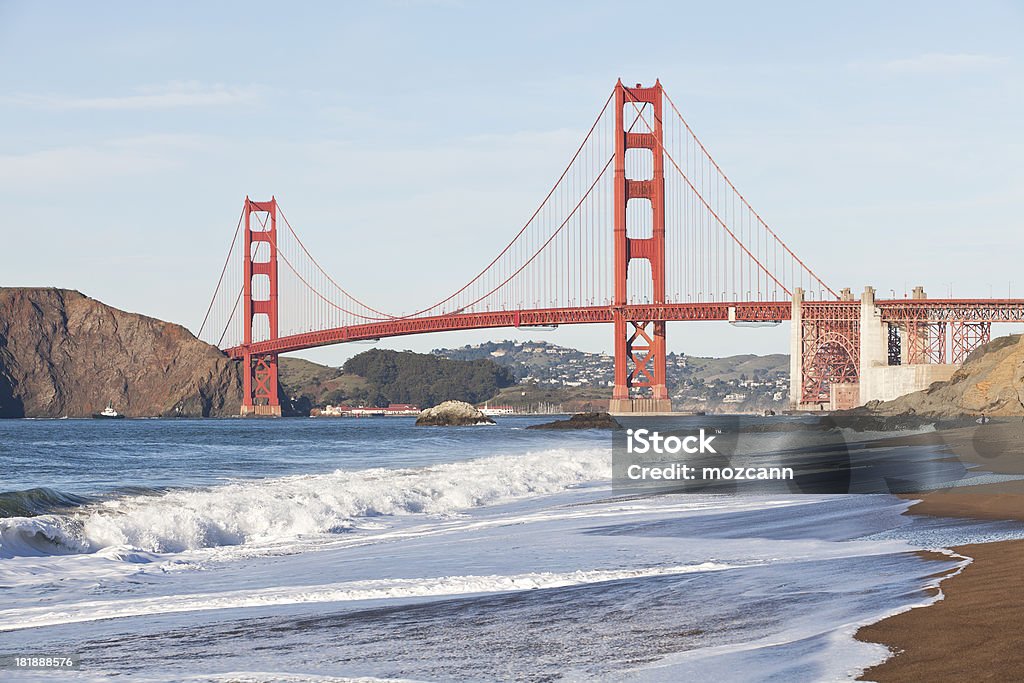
x: 497, y: 410
x: 371, y: 411
x: 402, y: 409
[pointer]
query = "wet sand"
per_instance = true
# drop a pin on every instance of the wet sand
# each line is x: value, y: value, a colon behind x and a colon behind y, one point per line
x: 976, y: 633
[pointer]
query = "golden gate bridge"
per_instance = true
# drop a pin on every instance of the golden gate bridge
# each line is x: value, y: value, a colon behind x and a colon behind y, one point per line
x: 642, y: 227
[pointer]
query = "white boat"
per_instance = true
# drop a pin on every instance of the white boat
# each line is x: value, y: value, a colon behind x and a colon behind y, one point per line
x: 108, y: 413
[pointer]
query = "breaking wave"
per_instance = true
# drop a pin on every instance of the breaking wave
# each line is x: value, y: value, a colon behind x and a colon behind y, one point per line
x: 37, y: 501
x: 291, y: 507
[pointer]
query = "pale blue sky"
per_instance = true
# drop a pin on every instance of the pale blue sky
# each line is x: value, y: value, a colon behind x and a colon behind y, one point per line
x: 883, y: 141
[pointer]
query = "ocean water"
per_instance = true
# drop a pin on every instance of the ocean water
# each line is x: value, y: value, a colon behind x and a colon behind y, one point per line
x: 342, y: 549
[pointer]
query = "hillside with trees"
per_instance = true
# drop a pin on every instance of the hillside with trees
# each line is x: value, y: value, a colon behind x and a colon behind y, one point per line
x: 549, y: 375
x: 378, y: 377
x: 530, y: 376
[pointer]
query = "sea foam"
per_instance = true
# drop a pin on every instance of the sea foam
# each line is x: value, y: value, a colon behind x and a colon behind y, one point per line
x: 296, y: 506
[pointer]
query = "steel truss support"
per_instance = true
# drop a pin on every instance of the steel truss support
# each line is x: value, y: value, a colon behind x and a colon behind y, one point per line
x: 968, y: 336
x: 926, y: 342
x: 830, y: 348
x: 640, y: 357
x: 926, y: 339
x: 895, y: 345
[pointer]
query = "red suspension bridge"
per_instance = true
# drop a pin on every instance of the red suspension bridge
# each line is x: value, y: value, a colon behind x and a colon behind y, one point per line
x: 641, y: 228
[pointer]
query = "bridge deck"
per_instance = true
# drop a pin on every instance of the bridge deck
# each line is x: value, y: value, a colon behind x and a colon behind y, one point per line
x: 742, y: 311
x: 892, y: 310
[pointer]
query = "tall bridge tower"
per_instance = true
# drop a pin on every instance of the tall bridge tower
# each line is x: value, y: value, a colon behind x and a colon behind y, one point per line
x: 640, y: 364
x: 259, y: 291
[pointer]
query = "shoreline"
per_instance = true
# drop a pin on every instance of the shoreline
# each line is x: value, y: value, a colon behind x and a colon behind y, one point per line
x: 975, y: 631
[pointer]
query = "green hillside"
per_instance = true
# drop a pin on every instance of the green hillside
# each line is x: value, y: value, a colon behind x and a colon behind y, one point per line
x: 533, y: 376
x: 379, y: 377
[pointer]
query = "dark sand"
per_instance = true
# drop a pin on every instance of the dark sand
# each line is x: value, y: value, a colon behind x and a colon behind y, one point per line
x: 976, y: 633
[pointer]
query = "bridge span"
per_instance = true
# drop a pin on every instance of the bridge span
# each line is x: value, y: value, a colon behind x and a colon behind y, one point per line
x: 642, y: 228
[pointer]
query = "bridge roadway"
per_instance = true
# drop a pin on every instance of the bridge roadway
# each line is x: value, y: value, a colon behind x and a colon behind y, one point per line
x: 753, y: 311
x: 893, y: 310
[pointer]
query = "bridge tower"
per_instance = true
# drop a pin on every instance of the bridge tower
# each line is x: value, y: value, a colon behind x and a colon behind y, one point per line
x: 640, y: 365
x: 259, y: 291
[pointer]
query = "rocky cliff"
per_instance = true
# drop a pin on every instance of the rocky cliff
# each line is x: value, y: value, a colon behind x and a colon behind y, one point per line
x: 990, y: 382
x: 62, y: 353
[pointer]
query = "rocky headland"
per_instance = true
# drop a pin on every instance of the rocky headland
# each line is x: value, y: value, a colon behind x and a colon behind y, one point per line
x: 65, y: 354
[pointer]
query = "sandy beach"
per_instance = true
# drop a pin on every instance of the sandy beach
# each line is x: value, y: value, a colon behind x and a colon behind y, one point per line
x: 976, y: 632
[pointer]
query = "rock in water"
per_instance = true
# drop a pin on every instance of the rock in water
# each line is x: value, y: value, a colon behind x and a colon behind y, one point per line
x: 582, y: 421
x: 62, y: 353
x: 452, y: 414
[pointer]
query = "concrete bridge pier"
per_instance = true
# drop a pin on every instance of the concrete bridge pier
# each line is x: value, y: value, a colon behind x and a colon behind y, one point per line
x: 881, y: 378
x: 796, y: 357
